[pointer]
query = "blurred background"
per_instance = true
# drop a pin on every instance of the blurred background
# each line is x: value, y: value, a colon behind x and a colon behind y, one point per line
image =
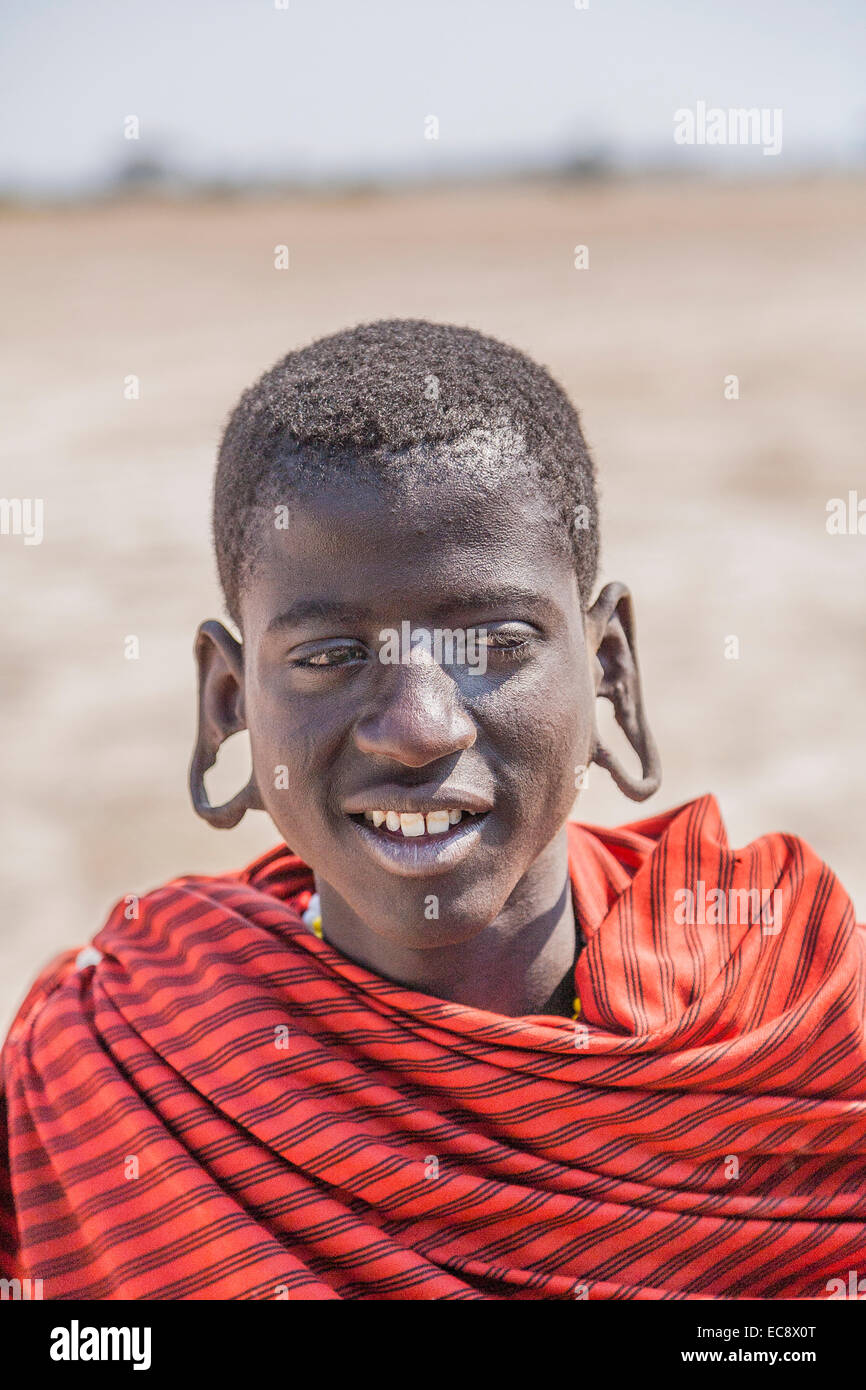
x: 445, y: 162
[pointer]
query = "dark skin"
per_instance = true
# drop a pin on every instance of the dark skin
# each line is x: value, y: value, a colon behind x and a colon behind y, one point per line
x: 354, y: 731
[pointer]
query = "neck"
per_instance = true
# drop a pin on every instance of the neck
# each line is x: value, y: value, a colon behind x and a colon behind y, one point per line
x: 520, y: 963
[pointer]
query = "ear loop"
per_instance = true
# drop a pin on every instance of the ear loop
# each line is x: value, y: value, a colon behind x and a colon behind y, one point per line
x: 637, y: 788
x: 630, y: 716
x: 231, y: 812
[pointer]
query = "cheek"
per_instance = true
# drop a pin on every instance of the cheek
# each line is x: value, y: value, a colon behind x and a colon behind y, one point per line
x: 545, y: 728
x: 564, y: 743
x: 557, y: 754
x: 285, y: 767
x: 284, y: 747
x: 268, y: 743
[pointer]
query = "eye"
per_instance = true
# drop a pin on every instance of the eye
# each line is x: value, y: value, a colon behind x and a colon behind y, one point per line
x: 326, y: 657
x: 510, y: 641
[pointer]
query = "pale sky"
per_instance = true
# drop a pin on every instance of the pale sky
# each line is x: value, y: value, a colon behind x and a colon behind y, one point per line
x: 335, y: 88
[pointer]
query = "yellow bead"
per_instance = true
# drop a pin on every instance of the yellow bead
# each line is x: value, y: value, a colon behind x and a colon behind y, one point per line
x: 576, y: 1007
x: 317, y: 927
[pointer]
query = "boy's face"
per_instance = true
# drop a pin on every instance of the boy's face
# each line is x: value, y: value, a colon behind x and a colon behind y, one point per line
x: 344, y: 719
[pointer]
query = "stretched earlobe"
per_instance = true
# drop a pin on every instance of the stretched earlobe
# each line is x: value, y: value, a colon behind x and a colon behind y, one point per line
x: 219, y: 658
x: 611, y: 634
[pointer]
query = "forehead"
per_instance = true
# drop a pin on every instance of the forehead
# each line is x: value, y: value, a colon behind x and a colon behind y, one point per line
x: 479, y: 487
x: 406, y: 563
x: 430, y: 530
x: 436, y: 505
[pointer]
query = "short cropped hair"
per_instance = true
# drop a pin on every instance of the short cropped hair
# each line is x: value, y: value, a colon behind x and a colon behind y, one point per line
x: 358, y: 400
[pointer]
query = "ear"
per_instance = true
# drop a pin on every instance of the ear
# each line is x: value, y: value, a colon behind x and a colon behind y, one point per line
x: 610, y: 636
x: 219, y: 658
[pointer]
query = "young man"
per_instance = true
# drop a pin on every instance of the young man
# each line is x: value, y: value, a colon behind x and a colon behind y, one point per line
x: 442, y: 1042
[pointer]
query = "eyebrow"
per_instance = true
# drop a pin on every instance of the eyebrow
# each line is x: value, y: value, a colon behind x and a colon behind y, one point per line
x: 307, y: 610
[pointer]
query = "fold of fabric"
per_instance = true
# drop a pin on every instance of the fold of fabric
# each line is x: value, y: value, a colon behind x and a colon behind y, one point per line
x: 225, y: 1107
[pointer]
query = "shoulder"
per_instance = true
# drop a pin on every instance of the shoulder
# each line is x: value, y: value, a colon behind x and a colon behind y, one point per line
x: 50, y: 979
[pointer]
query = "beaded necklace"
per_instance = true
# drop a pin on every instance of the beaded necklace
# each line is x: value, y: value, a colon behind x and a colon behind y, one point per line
x: 312, y: 918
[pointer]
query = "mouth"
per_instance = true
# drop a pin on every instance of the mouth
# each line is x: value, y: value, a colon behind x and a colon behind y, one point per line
x: 417, y: 843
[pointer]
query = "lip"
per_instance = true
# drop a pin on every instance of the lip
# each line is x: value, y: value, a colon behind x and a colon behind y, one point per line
x: 395, y: 798
x: 420, y: 856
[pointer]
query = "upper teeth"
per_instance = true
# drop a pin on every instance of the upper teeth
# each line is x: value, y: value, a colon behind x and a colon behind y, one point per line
x: 416, y: 822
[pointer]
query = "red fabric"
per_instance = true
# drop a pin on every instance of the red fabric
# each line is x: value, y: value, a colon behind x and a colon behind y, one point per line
x: 310, y: 1171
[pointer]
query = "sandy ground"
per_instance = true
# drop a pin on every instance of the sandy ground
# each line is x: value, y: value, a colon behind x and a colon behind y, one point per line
x: 714, y: 509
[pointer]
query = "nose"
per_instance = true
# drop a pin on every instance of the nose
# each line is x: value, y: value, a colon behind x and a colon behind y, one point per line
x: 417, y: 718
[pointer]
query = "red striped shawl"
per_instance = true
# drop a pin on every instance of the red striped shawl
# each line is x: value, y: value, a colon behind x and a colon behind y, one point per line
x: 302, y: 1128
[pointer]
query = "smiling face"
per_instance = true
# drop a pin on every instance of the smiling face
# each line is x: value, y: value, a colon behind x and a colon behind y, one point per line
x: 498, y: 733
